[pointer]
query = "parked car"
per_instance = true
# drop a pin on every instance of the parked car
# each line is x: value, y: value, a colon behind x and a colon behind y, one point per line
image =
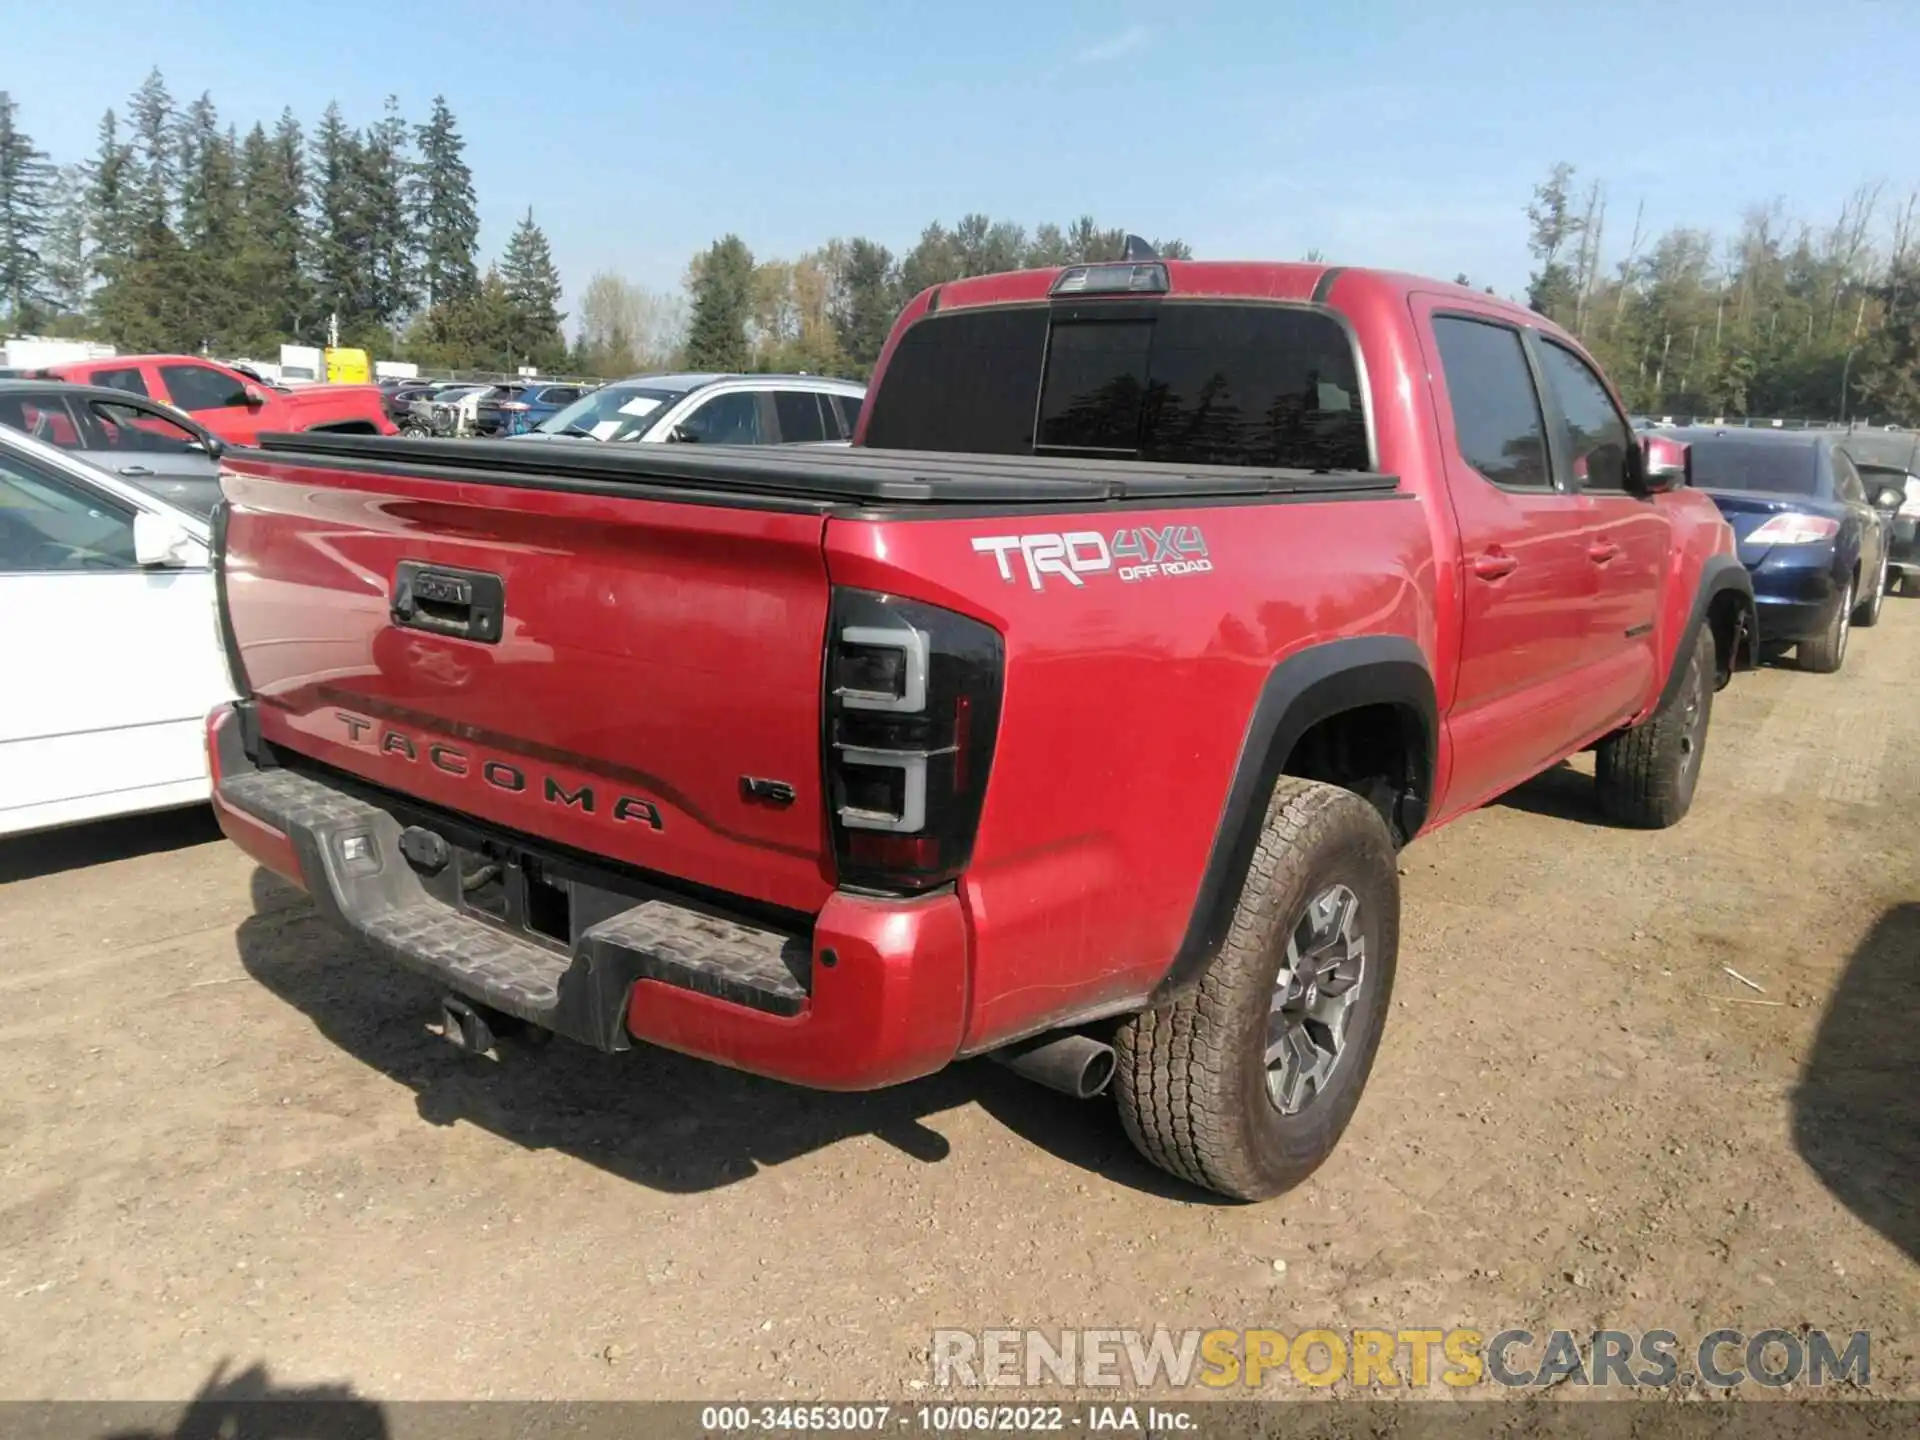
x: 110, y: 659
x: 400, y: 395
x: 437, y: 411
x: 235, y: 408
x: 1072, y: 715
x: 1809, y: 532
x: 713, y: 410
x: 152, y: 445
x: 516, y: 407
x: 1889, y: 460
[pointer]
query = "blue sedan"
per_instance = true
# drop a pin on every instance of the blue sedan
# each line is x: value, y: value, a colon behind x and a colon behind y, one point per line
x: 1809, y: 533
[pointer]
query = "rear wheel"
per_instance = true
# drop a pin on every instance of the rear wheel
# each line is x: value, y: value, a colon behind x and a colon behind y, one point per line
x: 1828, y: 653
x: 1910, y: 583
x: 1245, y: 1084
x: 1646, y: 776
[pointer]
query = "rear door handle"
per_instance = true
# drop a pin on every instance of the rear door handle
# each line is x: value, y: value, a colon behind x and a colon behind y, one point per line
x: 1601, y: 551
x: 1493, y: 564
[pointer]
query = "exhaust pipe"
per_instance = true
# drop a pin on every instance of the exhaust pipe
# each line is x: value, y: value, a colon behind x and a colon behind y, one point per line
x: 1071, y: 1063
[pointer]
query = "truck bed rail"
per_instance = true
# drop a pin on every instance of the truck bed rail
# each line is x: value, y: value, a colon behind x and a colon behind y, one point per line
x: 825, y: 476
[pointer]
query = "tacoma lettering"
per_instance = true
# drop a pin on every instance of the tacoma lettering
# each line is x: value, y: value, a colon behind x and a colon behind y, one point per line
x: 456, y: 761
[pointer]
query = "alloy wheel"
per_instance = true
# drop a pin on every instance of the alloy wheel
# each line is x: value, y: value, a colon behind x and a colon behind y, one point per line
x: 1313, y: 999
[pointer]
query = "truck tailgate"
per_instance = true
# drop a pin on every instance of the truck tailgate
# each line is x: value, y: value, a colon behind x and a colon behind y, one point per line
x: 601, y: 671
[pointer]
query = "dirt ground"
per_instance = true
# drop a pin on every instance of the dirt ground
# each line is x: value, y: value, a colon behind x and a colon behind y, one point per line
x: 226, y: 1138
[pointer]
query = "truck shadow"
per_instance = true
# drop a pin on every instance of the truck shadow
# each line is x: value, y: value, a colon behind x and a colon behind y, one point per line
x: 246, y: 1405
x: 1856, y: 1110
x: 97, y: 842
x: 1562, y: 793
x: 650, y: 1116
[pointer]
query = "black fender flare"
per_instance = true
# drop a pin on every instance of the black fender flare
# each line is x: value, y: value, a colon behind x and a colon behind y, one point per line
x: 1301, y: 691
x: 1718, y: 575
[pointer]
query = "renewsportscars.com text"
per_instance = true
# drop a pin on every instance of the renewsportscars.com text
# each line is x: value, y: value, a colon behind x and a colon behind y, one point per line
x: 1411, y: 1358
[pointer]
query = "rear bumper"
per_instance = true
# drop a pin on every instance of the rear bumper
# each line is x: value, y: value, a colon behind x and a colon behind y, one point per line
x: 1794, y: 602
x: 873, y: 995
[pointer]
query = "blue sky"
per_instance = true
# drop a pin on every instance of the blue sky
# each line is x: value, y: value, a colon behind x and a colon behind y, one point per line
x: 1380, y: 132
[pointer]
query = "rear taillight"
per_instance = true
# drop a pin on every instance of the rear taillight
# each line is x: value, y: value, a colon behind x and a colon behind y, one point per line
x: 514, y: 405
x: 1793, y: 529
x: 912, y: 705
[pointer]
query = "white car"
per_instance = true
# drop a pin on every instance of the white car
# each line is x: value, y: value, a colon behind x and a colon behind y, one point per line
x: 110, y: 653
x: 711, y: 410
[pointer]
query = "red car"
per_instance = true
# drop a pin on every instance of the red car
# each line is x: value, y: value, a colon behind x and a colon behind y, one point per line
x: 1073, y: 716
x: 237, y: 409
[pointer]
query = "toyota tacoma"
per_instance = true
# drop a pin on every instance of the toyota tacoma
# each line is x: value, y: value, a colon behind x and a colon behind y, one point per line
x: 1073, y: 716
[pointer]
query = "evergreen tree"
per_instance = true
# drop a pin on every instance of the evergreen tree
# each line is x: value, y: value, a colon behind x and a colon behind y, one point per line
x: 867, y: 303
x: 392, y: 259
x: 155, y: 170
x: 477, y: 330
x: 533, y: 289
x: 444, y: 216
x: 275, y: 297
x: 210, y: 221
x: 110, y: 223
x: 342, y: 243
x: 65, y: 253
x: 25, y: 204
x: 722, y: 301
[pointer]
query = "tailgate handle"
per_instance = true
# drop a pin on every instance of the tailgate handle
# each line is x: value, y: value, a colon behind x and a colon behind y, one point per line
x: 441, y: 600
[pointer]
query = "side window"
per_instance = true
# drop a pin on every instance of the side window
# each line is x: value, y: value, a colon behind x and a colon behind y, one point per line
x: 44, y: 417
x: 799, y: 414
x: 559, y: 395
x: 732, y: 419
x: 200, y: 387
x: 1496, y: 410
x: 130, y: 380
x: 48, y: 524
x: 849, y: 407
x: 1846, y: 478
x: 1597, y: 437
x: 129, y: 427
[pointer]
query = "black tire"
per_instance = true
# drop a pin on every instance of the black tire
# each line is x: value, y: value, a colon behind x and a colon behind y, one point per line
x: 1910, y: 583
x: 1866, y: 614
x: 1646, y: 776
x: 1192, y: 1078
x: 1828, y: 653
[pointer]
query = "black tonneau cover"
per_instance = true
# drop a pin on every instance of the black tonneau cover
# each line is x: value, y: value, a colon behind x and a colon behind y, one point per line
x: 824, y: 475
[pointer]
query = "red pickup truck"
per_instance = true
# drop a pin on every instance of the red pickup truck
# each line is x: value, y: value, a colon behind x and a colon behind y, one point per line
x: 1073, y: 716
x: 236, y: 408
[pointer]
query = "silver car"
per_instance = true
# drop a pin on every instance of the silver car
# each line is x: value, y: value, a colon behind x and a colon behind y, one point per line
x: 150, y: 445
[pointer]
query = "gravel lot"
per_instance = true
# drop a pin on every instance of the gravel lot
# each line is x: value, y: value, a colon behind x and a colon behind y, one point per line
x: 230, y: 1142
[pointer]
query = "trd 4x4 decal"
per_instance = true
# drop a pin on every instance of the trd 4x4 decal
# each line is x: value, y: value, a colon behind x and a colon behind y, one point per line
x: 1141, y: 553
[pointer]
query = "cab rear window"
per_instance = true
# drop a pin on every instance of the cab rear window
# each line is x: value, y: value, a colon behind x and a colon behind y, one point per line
x: 1182, y: 382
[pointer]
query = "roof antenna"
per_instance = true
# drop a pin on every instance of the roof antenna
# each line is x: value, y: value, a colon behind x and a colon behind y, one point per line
x: 1138, y: 249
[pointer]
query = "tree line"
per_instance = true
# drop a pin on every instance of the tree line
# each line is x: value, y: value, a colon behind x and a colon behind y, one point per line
x: 1785, y: 317
x: 828, y: 311
x: 182, y: 234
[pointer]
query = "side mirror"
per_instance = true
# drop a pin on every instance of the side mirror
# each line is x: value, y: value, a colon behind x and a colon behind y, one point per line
x: 161, y: 542
x: 1889, y: 499
x: 681, y: 435
x: 1660, y: 465
x: 255, y: 397
x: 213, y: 447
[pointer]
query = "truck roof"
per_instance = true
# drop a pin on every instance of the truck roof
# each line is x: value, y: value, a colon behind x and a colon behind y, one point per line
x: 1225, y: 279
